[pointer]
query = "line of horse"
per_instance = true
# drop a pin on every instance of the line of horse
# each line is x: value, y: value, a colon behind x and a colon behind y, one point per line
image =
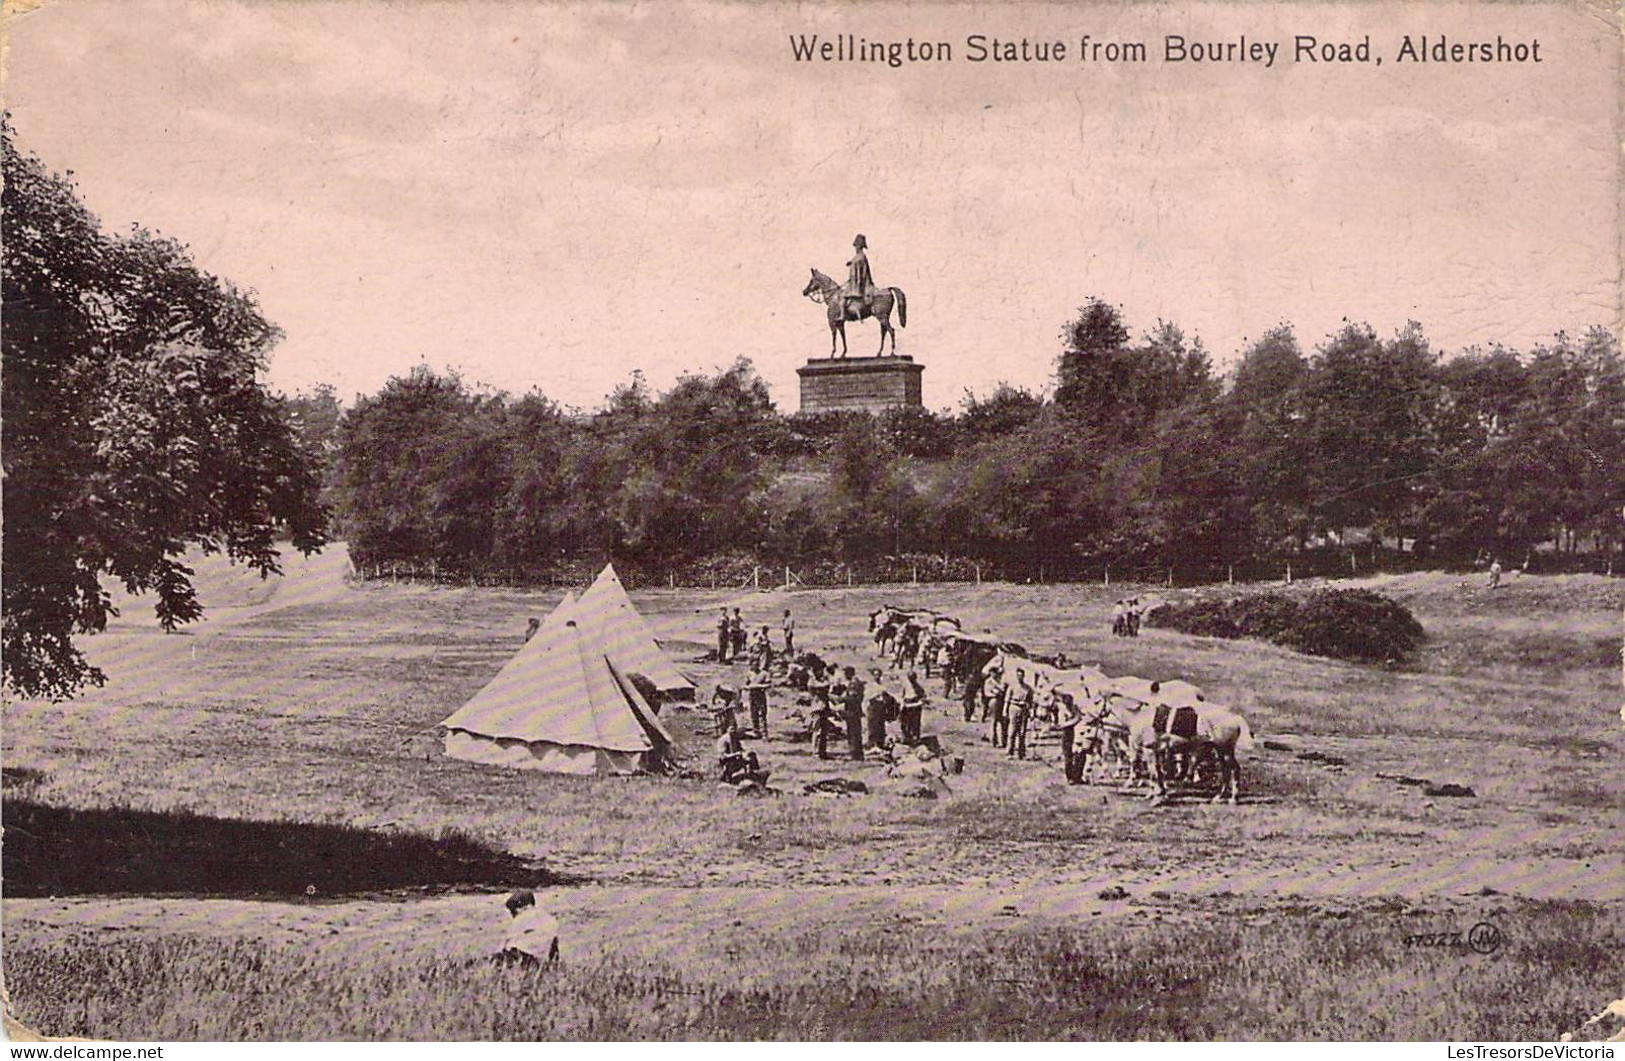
x: 1135, y: 729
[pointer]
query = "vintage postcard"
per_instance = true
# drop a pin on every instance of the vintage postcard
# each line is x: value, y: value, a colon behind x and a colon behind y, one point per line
x: 1020, y: 521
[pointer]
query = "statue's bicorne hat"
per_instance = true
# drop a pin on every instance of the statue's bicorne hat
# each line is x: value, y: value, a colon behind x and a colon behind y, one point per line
x: 859, y: 241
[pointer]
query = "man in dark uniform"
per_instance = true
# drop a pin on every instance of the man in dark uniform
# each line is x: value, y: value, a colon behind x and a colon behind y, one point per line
x: 913, y: 706
x: 724, y: 637
x: 1067, y: 720
x: 756, y: 692
x: 880, y: 711
x: 823, y: 716
x: 852, y: 714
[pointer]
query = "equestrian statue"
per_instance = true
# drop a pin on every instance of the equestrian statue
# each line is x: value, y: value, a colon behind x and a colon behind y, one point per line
x: 857, y: 299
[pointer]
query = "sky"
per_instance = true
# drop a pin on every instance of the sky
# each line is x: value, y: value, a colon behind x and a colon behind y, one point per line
x: 553, y: 196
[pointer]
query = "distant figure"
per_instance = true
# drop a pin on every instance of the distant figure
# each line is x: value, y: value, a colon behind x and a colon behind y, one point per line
x: 852, y: 714
x: 993, y: 700
x: 881, y: 709
x: 914, y: 701
x: 534, y: 625
x: 1119, y: 619
x: 756, y: 692
x: 1021, y: 713
x: 736, y: 634
x: 533, y: 935
x: 789, y: 628
x: 734, y: 763
x: 1067, y: 719
x: 823, y: 716
x: 1495, y: 573
x: 724, y: 638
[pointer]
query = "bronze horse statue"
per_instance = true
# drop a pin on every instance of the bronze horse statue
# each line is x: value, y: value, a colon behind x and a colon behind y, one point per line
x: 823, y: 289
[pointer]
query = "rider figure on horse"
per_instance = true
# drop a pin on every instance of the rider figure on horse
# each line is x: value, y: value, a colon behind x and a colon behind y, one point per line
x: 860, y: 283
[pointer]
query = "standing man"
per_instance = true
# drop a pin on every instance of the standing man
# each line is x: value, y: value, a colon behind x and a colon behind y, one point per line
x: 724, y: 638
x: 852, y: 714
x: 880, y: 709
x: 1021, y: 713
x: 913, y: 707
x: 993, y: 700
x: 756, y: 691
x: 736, y: 634
x: 1495, y: 572
x: 789, y: 628
x: 1067, y: 719
x: 823, y: 716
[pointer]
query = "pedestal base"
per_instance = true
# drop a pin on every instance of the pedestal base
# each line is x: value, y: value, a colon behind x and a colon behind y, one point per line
x: 859, y: 384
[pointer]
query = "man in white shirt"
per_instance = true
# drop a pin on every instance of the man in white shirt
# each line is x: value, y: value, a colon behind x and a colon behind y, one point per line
x: 533, y: 935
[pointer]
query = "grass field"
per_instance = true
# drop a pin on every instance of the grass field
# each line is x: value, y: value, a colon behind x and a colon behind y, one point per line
x: 301, y: 717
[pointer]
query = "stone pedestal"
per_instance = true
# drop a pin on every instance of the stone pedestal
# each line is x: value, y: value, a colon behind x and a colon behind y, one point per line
x: 859, y: 384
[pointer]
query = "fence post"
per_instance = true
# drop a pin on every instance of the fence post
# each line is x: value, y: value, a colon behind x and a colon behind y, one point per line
x: 1108, y: 574
x: 849, y: 575
x: 755, y: 577
x: 671, y: 579
x: 1289, y: 572
x: 915, y: 578
x: 978, y: 574
x: 1230, y: 574
x: 1170, y: 578
x: 1354, y: 564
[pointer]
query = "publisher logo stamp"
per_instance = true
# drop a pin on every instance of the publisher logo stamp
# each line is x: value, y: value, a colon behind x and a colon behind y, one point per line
x: 1482, y: 938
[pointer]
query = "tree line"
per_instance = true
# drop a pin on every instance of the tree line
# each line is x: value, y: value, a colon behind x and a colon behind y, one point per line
x: 136, y: 425
x: 1364, y: 450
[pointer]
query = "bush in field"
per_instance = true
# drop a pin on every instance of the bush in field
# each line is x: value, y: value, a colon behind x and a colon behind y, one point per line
x: 1204, y: 618
x: 1354, y: 624
x: 1265, y: 615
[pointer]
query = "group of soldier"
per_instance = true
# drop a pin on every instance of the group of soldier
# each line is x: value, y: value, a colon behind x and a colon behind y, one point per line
x: 846, y: 707
x: 1126, y: 617
x: 1015, y: 713
x: 843, y: 707
x: 838, y: 693
x: 735, y: 644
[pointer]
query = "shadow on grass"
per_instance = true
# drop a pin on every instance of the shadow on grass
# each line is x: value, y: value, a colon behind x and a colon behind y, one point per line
x: 61, y: 851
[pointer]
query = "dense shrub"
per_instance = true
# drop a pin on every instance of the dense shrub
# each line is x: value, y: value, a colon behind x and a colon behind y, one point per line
x: 1265, y: 615
x: 1204, y: 618
x: 1352, y: 624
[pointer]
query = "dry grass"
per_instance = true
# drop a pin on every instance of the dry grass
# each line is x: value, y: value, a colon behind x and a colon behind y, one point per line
x: 322, y: 713
x: 1297, y: 975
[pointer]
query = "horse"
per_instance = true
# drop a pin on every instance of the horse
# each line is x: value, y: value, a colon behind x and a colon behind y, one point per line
x: 825, y: 290
x: 1210, y: 729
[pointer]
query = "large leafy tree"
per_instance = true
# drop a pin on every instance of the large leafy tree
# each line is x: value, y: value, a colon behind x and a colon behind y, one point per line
x: 1370, y: 405
x: 134, y: 426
